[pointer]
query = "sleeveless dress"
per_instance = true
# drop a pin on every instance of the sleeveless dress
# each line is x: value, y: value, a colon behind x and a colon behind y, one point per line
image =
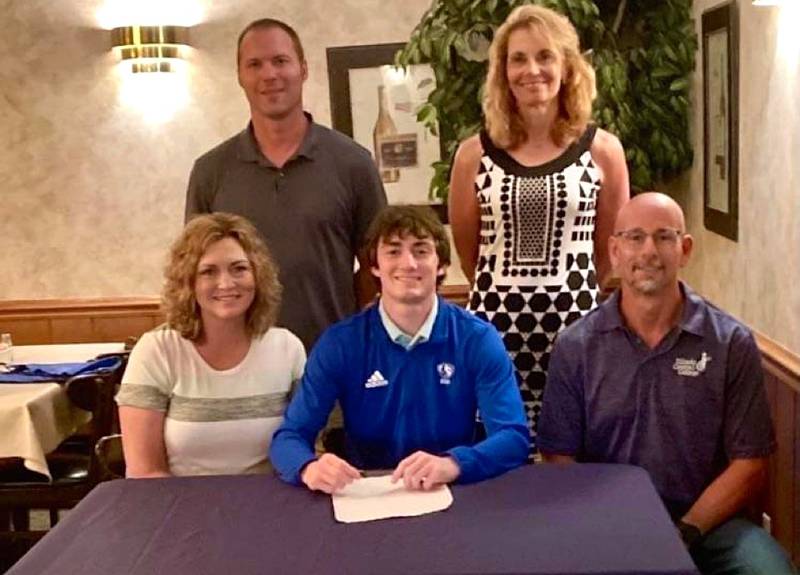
x: 535, y: 272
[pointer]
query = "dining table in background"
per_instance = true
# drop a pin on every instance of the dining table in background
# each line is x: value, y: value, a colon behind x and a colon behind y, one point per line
x: 539, y: 519
x: 36, y: 417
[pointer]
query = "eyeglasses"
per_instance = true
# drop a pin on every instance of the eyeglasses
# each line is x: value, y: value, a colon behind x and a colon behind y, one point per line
x: 636, y: 237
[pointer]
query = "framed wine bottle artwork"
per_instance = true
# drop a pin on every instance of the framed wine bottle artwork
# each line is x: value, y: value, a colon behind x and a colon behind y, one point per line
x: 720, y: 41
x: 376, y: 104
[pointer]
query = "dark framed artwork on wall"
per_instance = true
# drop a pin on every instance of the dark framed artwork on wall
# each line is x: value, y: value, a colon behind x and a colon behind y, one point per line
x: 376, y: 104
x: 721, y: 120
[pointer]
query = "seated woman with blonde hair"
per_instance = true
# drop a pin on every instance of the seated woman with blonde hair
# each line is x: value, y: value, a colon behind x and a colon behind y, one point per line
x: 203, y: 394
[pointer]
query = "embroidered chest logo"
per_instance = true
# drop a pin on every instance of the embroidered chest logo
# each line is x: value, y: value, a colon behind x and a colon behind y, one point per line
x: 445, y: 371
x: 376, y: 380
x: 691, y: 367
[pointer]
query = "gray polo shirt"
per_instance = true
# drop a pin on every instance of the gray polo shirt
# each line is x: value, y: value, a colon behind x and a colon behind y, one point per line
x: 313, y: 213
x: 682, y: 411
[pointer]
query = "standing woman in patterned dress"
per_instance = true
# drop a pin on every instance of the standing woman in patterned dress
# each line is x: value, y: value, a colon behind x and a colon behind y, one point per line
x: 534, y: 196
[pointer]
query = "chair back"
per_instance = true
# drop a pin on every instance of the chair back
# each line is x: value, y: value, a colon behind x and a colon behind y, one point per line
x: 110, y: 456
x: 95, y: 394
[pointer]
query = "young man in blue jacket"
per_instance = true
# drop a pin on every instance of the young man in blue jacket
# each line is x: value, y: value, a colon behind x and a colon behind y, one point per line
x: 411, y: 373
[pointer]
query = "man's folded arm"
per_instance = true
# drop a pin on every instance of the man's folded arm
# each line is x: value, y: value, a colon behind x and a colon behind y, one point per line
x: 728, y: 494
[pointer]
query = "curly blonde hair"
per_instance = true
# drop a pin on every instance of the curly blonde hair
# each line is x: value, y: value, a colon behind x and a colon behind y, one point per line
x: 178, y: 297
x: 503, y: 121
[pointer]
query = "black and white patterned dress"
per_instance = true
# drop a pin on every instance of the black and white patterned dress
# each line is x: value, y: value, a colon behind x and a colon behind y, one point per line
x: 535, y: 272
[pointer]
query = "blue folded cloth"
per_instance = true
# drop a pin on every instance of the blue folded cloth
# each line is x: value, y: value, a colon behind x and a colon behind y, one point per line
x: 36, y: 372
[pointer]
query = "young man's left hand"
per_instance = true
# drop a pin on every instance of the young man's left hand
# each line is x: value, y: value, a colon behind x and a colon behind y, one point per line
x: 423, y: 471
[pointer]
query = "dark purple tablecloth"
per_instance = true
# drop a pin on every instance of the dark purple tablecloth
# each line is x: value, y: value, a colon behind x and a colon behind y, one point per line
x: 536, y: 520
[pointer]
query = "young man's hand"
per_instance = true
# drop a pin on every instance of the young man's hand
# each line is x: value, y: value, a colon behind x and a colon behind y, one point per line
x: 329, y: 474
x: 421, y: 470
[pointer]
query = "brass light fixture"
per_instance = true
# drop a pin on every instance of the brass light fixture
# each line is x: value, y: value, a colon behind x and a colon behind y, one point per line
x: 150, y: 48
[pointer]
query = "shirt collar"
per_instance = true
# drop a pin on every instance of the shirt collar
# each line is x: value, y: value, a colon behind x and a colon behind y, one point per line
x: 399, y: 336
x: 248, y: 150
x: 693, y: 311
x: 608, y: 316
x: 691, y: 321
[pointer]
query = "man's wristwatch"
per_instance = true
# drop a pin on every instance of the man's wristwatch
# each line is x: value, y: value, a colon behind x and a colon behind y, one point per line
x: 690, y: 534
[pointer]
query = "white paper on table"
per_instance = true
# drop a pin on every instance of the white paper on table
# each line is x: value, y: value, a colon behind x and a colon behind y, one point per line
x: 372, y: 498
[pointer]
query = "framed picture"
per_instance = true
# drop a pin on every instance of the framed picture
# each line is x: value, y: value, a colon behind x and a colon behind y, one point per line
x: 376, y: 104
x: 721, y: 120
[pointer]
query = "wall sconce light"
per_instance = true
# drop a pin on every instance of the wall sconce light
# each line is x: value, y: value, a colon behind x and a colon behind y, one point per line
x: 150, y: 48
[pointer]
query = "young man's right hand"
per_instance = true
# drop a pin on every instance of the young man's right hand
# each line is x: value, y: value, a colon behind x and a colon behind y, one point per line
x: 328, y: 474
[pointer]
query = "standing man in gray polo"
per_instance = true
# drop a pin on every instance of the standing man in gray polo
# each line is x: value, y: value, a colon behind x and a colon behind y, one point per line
x: 309, y: 190
x: 657, y: 377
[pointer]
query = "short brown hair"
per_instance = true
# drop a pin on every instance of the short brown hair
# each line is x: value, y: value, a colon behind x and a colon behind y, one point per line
x: 418, y: 221
x: 266, y: 24
x: 178, y: 298
x: 578, y: 91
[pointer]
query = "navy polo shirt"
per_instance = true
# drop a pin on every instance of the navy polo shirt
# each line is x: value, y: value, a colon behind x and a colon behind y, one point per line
x: 682, y: 411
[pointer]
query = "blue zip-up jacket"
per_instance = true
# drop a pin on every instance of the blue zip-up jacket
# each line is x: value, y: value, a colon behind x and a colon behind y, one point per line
x: 397, y: 401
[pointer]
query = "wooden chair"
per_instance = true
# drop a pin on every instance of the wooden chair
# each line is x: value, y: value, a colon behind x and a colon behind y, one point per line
x: 110, y: 456
x: 333, y: 441
x: 85, y: 439
x: 74, y: 470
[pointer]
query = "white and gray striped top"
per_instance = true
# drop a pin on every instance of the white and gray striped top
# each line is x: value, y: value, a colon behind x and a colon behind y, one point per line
x: 217, y: 422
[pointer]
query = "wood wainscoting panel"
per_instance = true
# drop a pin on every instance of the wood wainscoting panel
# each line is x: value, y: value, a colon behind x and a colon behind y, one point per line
x: 457, y: 294
x: 780, y: 504
x: 71, y: 330
x: 26, y: 330
x: 782, y: 380
x: 796, y: 482
x: 33, y: 322
x: 122, y: 327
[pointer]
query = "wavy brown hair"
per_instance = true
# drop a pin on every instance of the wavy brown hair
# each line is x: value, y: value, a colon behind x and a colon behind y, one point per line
x: 178, y: 297
x: 418, y: 221
x: 503, y: 121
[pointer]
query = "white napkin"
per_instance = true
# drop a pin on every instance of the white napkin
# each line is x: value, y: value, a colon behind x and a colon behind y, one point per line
x: 372, y: 498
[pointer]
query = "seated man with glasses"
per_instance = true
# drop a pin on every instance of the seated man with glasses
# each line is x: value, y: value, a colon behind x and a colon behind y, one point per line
x: 659, y: 378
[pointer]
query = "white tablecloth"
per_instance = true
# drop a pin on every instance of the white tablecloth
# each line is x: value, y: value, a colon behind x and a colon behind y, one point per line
x: 36, y: 417
x: 63, y: 353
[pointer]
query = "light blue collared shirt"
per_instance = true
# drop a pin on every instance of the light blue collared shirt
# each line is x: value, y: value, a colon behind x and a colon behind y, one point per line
x: 400, y: 337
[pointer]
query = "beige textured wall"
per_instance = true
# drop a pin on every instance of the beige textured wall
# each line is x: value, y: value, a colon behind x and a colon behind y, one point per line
x: 92, y: 194
x: 756, y: 278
